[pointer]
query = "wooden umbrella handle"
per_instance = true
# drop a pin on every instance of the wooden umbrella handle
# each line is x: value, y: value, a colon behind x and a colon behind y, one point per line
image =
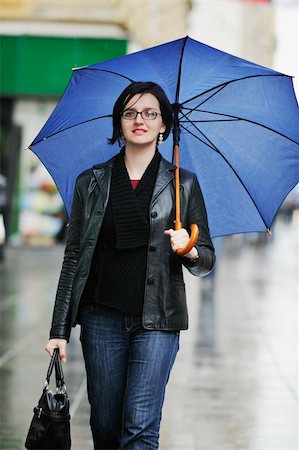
x: 192, y: 241
x: 178, y: 224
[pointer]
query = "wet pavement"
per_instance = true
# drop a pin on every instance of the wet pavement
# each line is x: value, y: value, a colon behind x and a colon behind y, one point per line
x: 234, y: 385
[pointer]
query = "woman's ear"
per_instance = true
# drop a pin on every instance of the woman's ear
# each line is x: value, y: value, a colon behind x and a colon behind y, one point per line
x: 122, y: 138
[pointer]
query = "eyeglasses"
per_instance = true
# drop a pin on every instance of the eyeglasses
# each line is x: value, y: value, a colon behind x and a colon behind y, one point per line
x: 146, y: 114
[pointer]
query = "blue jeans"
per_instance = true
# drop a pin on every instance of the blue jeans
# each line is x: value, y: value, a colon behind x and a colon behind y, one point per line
x: 127, y: 371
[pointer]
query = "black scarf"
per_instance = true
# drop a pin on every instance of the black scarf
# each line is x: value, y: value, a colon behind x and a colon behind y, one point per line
x: 130, y: 207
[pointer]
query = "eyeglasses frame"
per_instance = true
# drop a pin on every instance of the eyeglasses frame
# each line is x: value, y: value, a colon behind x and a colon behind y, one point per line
x: 139, y: 112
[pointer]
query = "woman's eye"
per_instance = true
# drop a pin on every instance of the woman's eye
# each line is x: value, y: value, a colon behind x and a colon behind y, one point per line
x: 129, y: 114
x: 149, y: 114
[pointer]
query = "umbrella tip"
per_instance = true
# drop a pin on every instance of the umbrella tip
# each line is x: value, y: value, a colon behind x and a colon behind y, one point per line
x: 27, y: 148
x: 269, y: 231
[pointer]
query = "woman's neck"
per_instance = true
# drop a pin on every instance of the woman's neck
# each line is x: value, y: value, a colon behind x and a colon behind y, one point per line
x: 137, y: 159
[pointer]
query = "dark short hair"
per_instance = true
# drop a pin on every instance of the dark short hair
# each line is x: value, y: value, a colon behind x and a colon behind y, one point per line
x: 140, y: 87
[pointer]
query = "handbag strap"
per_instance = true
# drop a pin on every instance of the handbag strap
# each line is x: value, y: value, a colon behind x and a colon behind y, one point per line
x: 51, y: 365
x: 55, y: 362
x: 60, y: 384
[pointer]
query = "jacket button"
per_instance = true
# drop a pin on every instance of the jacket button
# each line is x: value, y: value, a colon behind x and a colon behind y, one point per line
x: 150, y: 281
x: 154, y: 214
x: 152, y: 248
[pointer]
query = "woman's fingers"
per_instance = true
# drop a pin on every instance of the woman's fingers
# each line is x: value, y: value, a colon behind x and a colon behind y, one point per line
x: 178, y: 238
x: 57, y: 343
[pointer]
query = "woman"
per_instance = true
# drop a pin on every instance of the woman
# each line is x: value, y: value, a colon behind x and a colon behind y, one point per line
x: 121, y: 278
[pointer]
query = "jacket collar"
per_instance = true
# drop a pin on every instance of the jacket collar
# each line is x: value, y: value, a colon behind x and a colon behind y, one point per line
x: 102, y: 173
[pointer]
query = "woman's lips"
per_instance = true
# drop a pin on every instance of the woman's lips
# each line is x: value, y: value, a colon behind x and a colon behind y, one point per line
x: 139, y: 131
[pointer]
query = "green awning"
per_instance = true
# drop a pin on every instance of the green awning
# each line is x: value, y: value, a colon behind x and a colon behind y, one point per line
x: 42, y: 65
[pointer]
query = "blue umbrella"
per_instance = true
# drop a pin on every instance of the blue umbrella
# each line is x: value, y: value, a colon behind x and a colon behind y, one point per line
x: 237, y: 123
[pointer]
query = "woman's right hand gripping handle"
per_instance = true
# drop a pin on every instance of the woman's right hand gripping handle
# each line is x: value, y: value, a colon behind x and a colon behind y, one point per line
x: 57, y: 343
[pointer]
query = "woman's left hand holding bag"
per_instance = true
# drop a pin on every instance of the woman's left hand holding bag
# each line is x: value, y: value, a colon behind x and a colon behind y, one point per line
x: 57, y: 343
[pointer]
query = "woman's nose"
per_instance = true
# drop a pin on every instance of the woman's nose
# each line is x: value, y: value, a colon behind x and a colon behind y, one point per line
x: 139, y: 118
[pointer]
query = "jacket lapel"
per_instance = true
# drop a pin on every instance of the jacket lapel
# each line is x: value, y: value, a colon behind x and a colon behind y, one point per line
x: 102, y: 174
x: 164, y: 177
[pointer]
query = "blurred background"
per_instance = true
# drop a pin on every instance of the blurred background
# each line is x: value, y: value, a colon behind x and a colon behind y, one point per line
x: 235, y: 383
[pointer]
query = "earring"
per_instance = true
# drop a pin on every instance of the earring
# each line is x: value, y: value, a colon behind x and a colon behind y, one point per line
x: 160, y: 140
x: 122, y: 138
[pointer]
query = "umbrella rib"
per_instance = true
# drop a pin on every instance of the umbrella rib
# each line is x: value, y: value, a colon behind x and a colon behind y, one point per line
x: 201, y: 132
x: 177, y: 94
x: 234, y: 171
x: 210, y: 121
x: 191, y: 110
x: 223, y: 85
x: 203, y: 142
x: 68, y: 128
x: 113, y: 73
x: 250, y: 121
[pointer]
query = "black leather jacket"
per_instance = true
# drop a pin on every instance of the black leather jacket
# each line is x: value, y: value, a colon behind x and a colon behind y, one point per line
x: 164, y: 298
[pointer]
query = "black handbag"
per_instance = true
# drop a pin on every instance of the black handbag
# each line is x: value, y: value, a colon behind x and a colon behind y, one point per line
x: 50, y: 426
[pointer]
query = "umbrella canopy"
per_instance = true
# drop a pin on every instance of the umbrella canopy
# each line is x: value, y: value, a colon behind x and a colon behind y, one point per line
x: 238, y: 122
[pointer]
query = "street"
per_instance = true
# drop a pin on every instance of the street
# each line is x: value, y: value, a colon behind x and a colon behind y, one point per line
x: 234, y: 384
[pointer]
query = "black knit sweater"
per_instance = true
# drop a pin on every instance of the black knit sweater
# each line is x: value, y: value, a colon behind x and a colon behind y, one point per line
x: 117, y: 275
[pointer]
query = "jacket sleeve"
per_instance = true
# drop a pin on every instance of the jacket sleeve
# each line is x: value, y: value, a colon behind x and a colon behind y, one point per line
x: 197, y: 214
x: 61, y: 321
